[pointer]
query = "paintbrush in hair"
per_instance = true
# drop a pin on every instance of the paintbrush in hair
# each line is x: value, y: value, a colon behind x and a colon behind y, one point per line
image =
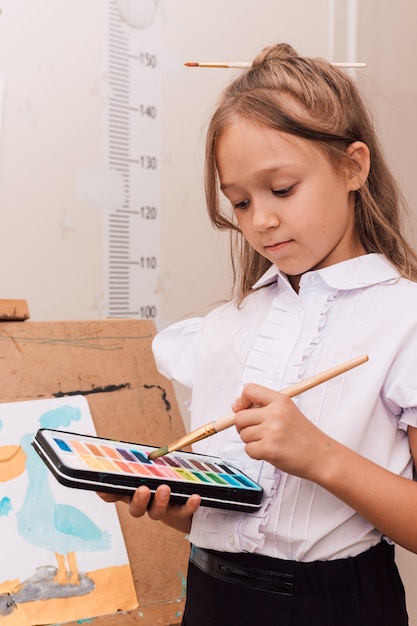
x: 242, y: 65
x: 228, y: 420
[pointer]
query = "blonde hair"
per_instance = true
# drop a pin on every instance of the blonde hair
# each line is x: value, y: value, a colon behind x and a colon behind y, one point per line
x: 309, y: 98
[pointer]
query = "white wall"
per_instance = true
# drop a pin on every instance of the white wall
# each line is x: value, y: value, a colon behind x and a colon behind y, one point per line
x: 51, y: 242
x: 198, y: 31
x: 50, y: 56
x: 387, y: 41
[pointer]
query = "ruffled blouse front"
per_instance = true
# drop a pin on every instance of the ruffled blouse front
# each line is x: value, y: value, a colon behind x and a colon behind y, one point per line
x: 277, y: 338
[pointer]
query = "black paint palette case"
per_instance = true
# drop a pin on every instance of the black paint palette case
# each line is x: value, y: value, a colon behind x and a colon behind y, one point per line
x: 105, y: 465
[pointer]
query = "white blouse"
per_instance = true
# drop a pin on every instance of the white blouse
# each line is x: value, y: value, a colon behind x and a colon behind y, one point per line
x: 279, y: 337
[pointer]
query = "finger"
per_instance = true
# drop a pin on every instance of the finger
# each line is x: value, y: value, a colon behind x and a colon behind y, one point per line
x: 190, y: 507
x: 140, y: 501
x: 107, y: 497
x: 113, y: 497
x: 158, y: 508
x: 258, y: 394
x: 253, y: 394
x: 241, y: 403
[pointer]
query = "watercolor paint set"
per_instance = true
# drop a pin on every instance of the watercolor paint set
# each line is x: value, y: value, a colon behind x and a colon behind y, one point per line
x: 100, y: 464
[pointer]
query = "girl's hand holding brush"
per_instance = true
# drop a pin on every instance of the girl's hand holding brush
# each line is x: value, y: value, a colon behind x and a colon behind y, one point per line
x: 275, y: 430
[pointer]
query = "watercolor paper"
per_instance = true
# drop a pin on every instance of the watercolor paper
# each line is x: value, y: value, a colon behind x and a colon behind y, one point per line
x: 63, y: 553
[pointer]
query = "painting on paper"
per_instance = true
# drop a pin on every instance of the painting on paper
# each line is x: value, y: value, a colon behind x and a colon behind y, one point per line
x: 63, y: 556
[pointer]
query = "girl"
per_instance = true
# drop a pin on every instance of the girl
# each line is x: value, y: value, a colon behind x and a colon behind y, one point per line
x: 323, y: 275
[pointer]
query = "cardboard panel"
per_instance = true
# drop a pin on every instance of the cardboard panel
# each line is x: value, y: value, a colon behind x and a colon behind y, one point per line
x: 111, y: 363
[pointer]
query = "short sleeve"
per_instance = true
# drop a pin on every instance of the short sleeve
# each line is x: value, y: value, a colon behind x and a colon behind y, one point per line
x: 175, y: 350
x: 400, y: 388
x: 408, y: 418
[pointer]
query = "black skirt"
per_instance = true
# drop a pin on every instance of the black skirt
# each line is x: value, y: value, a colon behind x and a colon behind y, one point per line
x: 225, y: 589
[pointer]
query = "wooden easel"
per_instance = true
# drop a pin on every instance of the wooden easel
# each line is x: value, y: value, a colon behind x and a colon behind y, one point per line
x: 111, y: 363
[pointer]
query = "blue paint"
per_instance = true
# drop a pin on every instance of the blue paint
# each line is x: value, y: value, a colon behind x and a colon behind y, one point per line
x: 183, y: 585
x: 5, y: 506
x: 88, y: 620
x: 142, y: 458
x: 62, y: 445
x: 73, y: 522
x: 41, y: 521
x: 63, y: 416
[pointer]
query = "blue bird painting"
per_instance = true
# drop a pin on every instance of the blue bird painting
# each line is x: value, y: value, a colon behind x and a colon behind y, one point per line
x: 59, y: 527
x: 62, y: 528
x: 63, y: 552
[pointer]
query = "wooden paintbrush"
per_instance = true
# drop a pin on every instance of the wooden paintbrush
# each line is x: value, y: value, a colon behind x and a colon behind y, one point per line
x: 242, y: 65
x: 228, y: 420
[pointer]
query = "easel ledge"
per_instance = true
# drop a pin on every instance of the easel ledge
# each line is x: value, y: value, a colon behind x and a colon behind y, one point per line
x: 111, y: 363
x: 14, y: 310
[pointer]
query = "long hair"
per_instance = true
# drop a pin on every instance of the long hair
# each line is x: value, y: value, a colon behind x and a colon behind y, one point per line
x: 312, y: 99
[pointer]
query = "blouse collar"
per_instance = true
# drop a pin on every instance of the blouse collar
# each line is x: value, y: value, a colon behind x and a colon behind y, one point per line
x: 361, y: 271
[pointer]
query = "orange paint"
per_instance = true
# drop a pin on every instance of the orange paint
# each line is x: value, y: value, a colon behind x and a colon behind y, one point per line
x: 12, y: 462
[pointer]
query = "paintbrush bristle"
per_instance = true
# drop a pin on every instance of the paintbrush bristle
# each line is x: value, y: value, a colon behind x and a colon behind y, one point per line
x: 191, y: 64
x: 155, y: 454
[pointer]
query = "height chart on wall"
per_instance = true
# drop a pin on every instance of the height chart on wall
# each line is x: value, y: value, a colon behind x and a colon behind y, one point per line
x: 131, y: 134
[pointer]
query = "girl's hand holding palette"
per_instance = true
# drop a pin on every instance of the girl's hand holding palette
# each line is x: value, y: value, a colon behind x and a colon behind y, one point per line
x: 104, y: 465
